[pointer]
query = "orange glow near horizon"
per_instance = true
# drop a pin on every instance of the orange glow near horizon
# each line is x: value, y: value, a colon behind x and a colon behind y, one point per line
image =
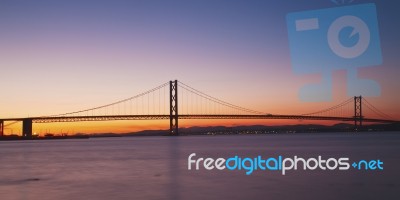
x: 273, y: 105
x: 71, y: 128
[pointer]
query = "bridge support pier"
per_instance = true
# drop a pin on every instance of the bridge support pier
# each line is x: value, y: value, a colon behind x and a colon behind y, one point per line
x: 358, y: 118
x: 173, y: 108
x: 27, y: 127
x: 1, y: 128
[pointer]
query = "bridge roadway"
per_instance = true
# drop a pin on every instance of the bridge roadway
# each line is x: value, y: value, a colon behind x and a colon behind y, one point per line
x: 51, y: 119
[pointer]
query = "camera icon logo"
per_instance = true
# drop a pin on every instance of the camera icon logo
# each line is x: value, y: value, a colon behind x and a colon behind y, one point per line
x: 325, y: 40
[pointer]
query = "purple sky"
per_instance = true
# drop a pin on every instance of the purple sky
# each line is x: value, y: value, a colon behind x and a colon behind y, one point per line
x: 60, y: 56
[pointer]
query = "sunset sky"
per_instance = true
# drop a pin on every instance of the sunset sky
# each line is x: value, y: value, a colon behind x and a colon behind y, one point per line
x: 63, y: 56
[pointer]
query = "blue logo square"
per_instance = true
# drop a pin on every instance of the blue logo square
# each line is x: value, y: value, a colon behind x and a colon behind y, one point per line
x: 324, y: 40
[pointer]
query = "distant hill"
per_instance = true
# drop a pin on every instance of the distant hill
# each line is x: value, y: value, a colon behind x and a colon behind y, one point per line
x: 259, y: 129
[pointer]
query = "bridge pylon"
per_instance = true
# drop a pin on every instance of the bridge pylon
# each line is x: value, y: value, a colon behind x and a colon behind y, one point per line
x: 173, y: 108
x: 1, y: 128
x: 27, y: 127
x: 358, y: 118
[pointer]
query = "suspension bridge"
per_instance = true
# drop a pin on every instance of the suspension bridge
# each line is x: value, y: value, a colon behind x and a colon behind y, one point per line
x: 170, y: 102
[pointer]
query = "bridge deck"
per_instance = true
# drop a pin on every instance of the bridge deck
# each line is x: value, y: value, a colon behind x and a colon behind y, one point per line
x: 165, y: 117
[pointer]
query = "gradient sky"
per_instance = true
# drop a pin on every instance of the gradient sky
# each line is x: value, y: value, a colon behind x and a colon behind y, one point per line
x: 62, y: 56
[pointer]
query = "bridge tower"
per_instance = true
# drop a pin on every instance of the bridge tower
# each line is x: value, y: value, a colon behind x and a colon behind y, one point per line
x: 27, y: 127
x: 1, y: 128
x: 358, y: 112
x: 173, y: 108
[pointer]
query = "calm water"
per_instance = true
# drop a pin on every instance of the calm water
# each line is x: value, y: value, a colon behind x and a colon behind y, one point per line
x: 156, y: 168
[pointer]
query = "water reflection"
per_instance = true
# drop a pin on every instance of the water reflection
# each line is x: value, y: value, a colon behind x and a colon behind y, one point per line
x: 156, y: 168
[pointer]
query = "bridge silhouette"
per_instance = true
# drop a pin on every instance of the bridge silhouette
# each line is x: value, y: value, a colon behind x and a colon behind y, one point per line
x: 161, y: 103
